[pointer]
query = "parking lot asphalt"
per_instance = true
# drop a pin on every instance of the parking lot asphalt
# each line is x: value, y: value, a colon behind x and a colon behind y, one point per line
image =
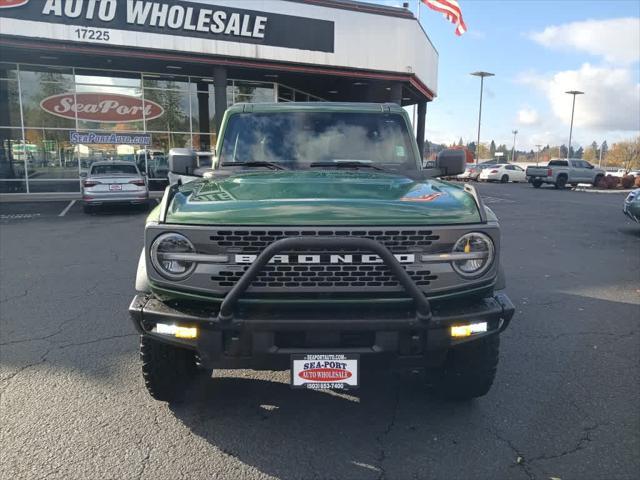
x: 566, y: 402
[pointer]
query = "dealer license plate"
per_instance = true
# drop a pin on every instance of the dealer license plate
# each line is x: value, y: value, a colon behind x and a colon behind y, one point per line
x: 115, y: 187
x: 325, y: 371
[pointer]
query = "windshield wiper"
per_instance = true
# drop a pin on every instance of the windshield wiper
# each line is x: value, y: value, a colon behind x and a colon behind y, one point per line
x: 271, y: 165
x: 349, y: 164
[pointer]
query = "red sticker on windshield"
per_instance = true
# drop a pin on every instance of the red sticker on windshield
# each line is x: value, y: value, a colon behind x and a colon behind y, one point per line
x: 423, y: 198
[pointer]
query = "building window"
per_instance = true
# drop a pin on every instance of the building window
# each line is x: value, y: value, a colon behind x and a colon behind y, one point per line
x: 41, y: 105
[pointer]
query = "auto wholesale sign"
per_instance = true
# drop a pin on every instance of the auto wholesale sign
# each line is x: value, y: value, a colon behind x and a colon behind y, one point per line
x: 101, y: 107
x: 176, y: 18
x: 322, y: 34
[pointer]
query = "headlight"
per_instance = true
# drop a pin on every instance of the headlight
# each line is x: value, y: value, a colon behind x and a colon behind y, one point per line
x: 168, y: 256
x: 480, y: 250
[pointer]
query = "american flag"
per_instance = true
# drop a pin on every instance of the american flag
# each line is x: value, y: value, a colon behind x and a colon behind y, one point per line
x: 451, y: 11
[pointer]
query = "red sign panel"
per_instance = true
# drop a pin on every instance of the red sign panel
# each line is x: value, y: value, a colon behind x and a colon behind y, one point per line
x: 12, y: 3
x: 101, y: 107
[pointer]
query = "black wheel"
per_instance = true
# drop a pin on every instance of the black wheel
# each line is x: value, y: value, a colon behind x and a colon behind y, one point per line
x: 596, y: 181
x: 561, y: 181
x: 504, y: 179
x: 469, y: 369
x: 87, y: 208
x: 536, y: 183
x: 168, y: 371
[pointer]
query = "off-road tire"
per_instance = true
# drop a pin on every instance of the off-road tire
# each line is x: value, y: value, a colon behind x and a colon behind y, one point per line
x: 167, y: 370
x: 536, y: 183
x: 469, y: 369
x: 504, y: 179
x: 561, y: 181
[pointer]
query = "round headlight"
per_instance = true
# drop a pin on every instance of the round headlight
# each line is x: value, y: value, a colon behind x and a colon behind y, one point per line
x: 480, y: 251
x: 167, y: 252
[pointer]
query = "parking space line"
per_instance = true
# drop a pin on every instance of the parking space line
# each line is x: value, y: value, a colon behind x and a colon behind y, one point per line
x: 66, y: 209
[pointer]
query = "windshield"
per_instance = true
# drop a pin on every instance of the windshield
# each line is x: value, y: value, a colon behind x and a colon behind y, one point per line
x: 114, y: 170
x: 300, y: 139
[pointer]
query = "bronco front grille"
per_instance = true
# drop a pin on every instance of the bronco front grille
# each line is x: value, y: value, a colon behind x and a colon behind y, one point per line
x: 324, y: 276
x: 254, y: 241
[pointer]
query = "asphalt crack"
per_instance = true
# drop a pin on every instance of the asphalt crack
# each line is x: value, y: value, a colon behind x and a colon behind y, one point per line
x: 382, y: 456
x: 8, y: 380
x: 145, y: 462
x: 525, y: 463
x: 14, y: 297
x: 46, y: 337
x: 581, y: 334
x: 96, y: 340
x: 520, y: 458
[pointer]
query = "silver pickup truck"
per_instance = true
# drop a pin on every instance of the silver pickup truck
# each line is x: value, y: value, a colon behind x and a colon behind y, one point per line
x: 561, y: 173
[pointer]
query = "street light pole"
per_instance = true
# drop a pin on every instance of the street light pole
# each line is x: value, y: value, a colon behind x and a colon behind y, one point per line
x: 481, y: 75
x: 537, y: 154
x: 513, y: 150
x: 573, y: 107
x: 600, y: 161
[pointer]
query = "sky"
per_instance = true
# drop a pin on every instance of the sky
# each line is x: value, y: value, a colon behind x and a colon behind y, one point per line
x: 537, y: 49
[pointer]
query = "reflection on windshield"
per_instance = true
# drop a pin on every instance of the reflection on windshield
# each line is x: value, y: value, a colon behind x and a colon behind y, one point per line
x: 298, y: 139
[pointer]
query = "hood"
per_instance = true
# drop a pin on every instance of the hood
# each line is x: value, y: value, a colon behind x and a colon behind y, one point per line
x: 321, y: 197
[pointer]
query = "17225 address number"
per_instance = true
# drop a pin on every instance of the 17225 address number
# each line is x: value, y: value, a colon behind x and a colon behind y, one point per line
x: 92, y: 34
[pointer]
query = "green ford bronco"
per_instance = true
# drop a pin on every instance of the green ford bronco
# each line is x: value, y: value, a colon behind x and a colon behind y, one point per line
x: 318, y: 243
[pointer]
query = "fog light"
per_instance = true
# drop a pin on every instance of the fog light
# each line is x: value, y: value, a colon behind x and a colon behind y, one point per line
x: 177, y: 331
x: 468, y: 330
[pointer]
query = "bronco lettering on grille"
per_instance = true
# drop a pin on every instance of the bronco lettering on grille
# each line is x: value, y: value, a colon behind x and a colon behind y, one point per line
x: 327, y: 258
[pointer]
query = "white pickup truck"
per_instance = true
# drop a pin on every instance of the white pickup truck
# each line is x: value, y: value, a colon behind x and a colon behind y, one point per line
x: 561, y: 173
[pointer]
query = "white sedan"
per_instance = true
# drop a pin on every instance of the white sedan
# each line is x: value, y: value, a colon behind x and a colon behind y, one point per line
x: 503, y: 173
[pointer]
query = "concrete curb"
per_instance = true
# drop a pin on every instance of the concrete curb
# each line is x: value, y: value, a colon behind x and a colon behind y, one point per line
x: 596, y: 190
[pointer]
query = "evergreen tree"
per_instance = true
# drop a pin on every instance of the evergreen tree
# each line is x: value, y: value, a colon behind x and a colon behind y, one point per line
x: 563, y: 151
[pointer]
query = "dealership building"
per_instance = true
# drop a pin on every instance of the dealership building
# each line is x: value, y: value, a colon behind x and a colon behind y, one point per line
x: 89, y: 80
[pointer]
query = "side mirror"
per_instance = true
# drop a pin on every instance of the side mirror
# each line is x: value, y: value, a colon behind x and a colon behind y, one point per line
x: 451, y: 162
x: 182, y: 161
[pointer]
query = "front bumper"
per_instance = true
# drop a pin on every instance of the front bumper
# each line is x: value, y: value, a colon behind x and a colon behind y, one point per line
x: 267, y: 339
x: 232, y: 335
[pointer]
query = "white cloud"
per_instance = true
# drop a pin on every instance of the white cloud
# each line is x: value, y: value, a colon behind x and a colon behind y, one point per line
x: 610, y: 102
x: 616, y: 40
x: 528, y: 116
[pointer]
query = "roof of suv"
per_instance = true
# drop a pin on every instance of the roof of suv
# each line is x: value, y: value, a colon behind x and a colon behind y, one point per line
x: 316, y: 106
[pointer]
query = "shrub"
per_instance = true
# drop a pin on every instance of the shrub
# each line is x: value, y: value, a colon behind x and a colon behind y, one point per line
x: 601, y: 183
x: 637, y: 182
x: 627, y: 181
x: 611, y: 181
